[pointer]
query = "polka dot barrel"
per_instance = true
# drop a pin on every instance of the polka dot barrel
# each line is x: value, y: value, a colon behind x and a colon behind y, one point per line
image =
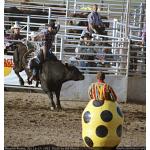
x: 102, y: 124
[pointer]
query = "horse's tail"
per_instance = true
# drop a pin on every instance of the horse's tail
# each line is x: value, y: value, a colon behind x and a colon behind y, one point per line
x: 16, y: 56
x: 25, y: 61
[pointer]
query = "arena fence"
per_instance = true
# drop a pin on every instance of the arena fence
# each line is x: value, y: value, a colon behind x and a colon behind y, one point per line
x: 121, y: 59
x: 129, y: 57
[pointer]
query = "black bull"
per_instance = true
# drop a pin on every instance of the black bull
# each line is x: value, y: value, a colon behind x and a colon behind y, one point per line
x: 52, y: 75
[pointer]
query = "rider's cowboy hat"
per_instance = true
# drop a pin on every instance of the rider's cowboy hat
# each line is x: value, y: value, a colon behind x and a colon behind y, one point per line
x: 16, y: 26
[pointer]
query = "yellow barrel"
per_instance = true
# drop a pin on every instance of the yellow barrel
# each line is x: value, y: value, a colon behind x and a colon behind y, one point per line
x: 102, y: 123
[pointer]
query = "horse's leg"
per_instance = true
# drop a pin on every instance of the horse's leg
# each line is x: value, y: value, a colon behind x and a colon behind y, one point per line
x: 50, y: 95
x: 58, y: 105
x: 21, y: 81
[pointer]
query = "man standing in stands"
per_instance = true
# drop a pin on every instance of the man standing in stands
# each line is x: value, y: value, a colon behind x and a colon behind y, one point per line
x: 94, y: 21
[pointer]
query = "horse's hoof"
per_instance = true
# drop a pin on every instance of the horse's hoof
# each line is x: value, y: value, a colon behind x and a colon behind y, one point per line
x: 29, y: 82
x: 22, y: 83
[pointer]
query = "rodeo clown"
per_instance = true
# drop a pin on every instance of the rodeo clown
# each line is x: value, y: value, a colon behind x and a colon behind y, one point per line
x: 102, y: 118
x: 101, y: 90
x: 46, y: 36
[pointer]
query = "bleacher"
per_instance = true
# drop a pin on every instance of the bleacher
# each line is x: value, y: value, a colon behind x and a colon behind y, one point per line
x: 119, y: 33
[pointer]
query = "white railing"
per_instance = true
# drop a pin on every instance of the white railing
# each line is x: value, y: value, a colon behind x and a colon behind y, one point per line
x: 116, y: 31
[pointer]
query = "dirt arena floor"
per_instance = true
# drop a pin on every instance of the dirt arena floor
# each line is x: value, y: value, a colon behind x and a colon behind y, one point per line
x: 29, y: 122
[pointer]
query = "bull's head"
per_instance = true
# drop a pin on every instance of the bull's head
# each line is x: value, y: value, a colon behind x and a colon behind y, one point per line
x: 73, y: 73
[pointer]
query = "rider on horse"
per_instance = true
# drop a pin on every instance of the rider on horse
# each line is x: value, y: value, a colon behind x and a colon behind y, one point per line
x: 47, y: 37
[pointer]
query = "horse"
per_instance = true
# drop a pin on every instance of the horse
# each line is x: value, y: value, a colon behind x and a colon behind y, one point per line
x: 20, y: 52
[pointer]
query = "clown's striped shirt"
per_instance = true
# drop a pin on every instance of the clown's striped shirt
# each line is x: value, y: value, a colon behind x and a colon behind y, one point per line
x: 101, y: 91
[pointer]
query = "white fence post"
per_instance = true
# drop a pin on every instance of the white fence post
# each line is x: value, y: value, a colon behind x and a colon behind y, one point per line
x: 115, y: 51
x: 67, y: 8
x: 61, y: 48
x: 75, y: 6
x: 141, y: 17
x: 135, y: 16
x: 49, y: 14
x: 108, y: 11
x: 56, y: 44
x: 28, y: 26
x: 128, y: 58
x: 123, y: 52
x: 114, y: 33
x: 127, y: 19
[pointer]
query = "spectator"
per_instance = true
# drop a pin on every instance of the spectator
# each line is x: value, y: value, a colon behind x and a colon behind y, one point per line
x: 104, y: 55
x: 94, y: 21
x: 101, y: 90
x: 84, y: 32
x: 15, y: 35
x: 86, y: 41
x: 31, y: 44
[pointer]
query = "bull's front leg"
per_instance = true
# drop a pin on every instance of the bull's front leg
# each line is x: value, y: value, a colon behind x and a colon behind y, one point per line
x: 50, y: 95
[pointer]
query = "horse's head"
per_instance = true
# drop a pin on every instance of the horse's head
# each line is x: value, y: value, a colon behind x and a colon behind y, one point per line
x: 9, y: 47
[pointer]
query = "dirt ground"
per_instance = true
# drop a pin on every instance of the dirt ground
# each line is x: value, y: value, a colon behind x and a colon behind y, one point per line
x: 29, y: 122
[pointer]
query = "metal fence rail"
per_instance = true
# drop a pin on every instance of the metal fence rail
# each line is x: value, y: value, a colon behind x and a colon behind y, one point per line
x: 124, y: 62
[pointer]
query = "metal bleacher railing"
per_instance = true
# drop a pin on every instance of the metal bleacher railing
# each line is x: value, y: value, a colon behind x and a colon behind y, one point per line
x: 65, y: 43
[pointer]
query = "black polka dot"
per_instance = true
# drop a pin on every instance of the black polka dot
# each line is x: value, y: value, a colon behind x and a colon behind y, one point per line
x: 106, y: 116
x: 119, y: 112
x: 87, y: 117
x: 119, y: 130
x: 101, y: 131
x: 98, y: 103
x: 88, y: 141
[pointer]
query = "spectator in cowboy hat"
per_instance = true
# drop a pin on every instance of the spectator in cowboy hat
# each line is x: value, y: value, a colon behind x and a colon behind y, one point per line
x: 16, y: 32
